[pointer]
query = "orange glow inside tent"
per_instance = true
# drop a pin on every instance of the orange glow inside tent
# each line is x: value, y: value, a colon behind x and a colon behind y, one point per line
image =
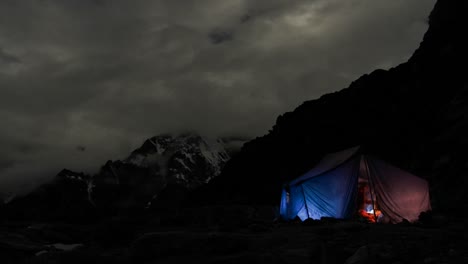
x: 367, y: 206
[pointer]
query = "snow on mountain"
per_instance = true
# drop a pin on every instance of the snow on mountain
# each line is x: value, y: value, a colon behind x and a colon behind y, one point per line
x: 186, y: 160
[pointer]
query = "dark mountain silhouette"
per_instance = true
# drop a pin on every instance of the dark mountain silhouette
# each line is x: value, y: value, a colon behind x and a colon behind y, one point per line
x: 64, y: 198
x: 414, y: 115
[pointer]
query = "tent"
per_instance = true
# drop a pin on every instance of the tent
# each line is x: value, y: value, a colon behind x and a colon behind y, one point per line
x: 349, y: 184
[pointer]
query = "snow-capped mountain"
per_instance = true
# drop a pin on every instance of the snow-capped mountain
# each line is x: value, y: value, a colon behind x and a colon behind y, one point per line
x: 172, y: 164
x: 188, y: 159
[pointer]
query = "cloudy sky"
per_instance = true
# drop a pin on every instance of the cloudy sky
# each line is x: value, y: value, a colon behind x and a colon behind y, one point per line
x: 84, y: 81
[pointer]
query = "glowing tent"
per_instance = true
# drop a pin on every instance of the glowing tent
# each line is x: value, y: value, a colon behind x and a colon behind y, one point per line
x: 347, y: 184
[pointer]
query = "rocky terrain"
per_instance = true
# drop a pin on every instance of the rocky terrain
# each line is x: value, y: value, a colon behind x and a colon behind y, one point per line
x: 253, y: 238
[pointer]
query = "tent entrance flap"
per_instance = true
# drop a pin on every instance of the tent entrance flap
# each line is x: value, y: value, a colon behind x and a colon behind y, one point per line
x: 368, y: 207
x: 367, y: 203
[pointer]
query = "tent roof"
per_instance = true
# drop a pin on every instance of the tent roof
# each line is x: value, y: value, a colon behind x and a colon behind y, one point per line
x: 327, y: 163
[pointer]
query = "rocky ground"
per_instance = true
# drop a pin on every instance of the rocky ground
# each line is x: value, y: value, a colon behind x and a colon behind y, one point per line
x: 233, y: 240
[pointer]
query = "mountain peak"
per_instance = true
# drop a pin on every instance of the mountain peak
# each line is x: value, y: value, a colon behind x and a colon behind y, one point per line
x: 176, y: 156
x: 66, y: 174
x: 188, y: 160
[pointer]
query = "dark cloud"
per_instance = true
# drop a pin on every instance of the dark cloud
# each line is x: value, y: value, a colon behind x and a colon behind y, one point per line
x: 218, y: 36
x: 246, y: 18
x: 5, y: 163
x: 81, y: 148
x: 7, y: 58
x: 108, y: 74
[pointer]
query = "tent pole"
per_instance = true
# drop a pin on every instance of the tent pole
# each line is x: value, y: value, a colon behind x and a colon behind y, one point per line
x: 305, y: 201
x: 371, y: 188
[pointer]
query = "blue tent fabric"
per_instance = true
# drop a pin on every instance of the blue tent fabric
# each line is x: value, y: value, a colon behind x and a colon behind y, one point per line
x: 330, y: 189
x: 329, y: 162
x: 332, y: 194
x: 284, y: 204
x: 328, y: 195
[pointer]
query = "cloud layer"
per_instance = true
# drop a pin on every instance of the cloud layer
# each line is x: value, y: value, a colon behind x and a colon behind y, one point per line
x: 86, y: 81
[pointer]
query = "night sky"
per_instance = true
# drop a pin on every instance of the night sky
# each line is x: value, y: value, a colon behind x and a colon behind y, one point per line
x: 82, y: 81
